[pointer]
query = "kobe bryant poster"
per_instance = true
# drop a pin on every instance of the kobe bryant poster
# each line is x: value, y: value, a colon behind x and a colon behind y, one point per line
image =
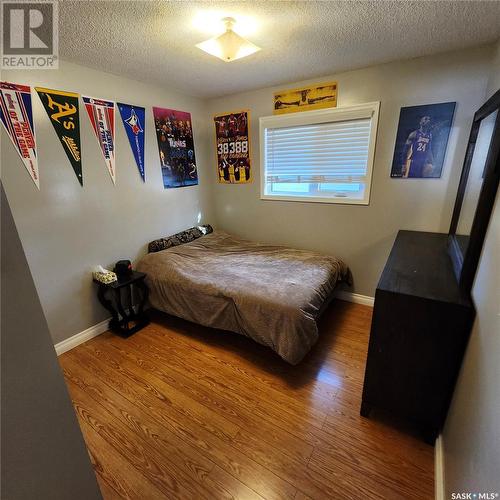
x: 421, y: 140
x: 233, y: 147
x: 176, y: 147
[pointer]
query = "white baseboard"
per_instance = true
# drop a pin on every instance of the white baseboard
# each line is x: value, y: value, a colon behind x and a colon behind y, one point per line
x: 355, y: 297
x: 439, y: 468
x: 81, y: 337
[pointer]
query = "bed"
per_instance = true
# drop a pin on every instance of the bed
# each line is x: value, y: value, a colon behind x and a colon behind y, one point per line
x: 271, y: 294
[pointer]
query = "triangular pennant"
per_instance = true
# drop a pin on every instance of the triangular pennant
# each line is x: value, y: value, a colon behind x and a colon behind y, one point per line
x: 134, y: 123
x: 16, y: 113
x: 62, y: 108
x: 102, y: 117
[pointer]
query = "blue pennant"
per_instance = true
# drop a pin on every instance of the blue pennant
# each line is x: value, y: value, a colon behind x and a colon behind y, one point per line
x: 133, y: 118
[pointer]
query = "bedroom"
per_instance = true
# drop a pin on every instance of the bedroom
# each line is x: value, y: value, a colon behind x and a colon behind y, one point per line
x: 249, y: 383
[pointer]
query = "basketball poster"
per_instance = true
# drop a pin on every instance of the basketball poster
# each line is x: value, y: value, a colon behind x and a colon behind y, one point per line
x: 232, y: 143
x: 133, y: 118
x: 16, y: 114
x: 319, y: 96
x: 62, y: 109
x: 421, y: 141
x: 176, y: 147
x: 102, y: 117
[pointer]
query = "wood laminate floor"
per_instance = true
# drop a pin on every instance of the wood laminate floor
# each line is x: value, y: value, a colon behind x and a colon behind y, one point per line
x: 182, y: 411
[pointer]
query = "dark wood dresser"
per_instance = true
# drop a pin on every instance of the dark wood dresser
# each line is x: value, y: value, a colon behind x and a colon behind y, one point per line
x: 420, y: 328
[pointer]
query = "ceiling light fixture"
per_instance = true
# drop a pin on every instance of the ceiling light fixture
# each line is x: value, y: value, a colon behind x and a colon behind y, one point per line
x: 229, y: 46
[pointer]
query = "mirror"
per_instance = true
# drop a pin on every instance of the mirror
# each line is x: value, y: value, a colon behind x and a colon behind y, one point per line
x: 474, y: 181
x: 476, y: 192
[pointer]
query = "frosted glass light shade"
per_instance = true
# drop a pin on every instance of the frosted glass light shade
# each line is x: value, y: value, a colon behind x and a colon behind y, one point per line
x: 229, y: 46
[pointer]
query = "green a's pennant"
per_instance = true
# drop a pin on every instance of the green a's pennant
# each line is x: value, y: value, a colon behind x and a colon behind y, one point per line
x: 62, y: 108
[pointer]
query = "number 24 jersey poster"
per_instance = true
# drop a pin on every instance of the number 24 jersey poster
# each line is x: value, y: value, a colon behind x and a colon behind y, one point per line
x: 233, y: 147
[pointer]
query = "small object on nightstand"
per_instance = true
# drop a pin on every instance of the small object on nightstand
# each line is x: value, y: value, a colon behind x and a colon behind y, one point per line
x: 125, y: 322
x: 103, y: 275
x: 123, y: 268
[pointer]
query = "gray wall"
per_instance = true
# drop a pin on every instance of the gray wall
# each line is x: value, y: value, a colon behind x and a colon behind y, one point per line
x: 43, y: 452
x: 66, y: 229
x: 471, y: 438
x: 363, y: 235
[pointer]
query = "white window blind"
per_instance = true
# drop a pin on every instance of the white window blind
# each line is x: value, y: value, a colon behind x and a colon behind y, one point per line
x: 327, y: 151
x: 318, y: 161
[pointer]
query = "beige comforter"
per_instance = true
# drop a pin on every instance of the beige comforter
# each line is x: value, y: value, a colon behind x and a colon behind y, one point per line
x: 269, y: 293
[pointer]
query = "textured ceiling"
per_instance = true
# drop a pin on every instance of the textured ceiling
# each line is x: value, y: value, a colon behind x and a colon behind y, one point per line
x: 155, y: 41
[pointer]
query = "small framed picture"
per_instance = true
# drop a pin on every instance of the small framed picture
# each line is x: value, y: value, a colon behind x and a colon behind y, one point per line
x: 421, y: 140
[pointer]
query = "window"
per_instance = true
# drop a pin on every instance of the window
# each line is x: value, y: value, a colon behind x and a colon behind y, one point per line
x: 321, y: 156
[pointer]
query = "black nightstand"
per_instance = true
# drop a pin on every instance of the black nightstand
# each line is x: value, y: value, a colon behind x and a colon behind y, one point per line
x: 125, y: 322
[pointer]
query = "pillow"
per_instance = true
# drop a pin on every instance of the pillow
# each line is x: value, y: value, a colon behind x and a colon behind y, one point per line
x: 186, y: 236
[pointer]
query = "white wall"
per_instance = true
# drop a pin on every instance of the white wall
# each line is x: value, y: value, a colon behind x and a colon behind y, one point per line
x: 363, y: 235
x: 471, y: 437
x: 494, y: 79
x: 66, y: 229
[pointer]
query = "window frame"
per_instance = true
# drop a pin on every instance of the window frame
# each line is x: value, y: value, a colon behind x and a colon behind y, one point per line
x: 358, y: 111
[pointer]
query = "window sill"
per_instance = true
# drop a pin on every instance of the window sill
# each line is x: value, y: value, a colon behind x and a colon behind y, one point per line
x: 315, y: 199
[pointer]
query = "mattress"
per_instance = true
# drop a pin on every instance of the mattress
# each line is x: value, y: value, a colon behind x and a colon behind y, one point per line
x: 271, y: 294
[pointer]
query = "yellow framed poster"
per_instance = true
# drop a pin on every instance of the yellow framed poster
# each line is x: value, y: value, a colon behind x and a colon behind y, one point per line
x: 232, y: 147
x: 323, y: 95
